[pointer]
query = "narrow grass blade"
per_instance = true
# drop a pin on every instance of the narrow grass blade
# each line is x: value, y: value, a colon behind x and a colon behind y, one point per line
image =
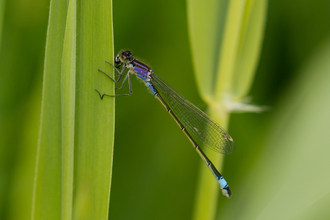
x: 206, y: 20
x: 47, y: 185
x: 239, y: 54
x: 94, y: 127
x: 76, y: 130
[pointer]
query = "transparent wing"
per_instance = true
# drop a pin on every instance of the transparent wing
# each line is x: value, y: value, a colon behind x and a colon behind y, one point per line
x: 199, y: 125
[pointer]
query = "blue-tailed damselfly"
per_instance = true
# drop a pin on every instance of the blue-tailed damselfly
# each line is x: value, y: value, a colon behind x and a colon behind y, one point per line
x: 194, y: 123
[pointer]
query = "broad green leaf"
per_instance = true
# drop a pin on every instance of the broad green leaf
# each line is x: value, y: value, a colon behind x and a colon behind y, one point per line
x: 74, y: 160
x: 94, y: 127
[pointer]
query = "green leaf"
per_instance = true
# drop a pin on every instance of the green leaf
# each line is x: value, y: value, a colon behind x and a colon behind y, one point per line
x: 47, y: 186
x: 243, y: 34
x: 206, y: 22
x: 68, y: 87
x: 225, y: 39
x: 74, y: 161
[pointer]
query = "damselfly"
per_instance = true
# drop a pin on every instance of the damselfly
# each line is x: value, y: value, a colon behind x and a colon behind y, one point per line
x: 195, y: 124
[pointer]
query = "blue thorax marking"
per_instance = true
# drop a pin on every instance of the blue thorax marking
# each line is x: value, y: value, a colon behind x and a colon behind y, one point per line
x: 142, y: 77
x: 148, y: 84
x: 151, y: 87
x: 142, y: 71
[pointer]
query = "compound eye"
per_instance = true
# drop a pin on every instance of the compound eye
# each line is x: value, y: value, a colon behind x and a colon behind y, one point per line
x: 124, y: 58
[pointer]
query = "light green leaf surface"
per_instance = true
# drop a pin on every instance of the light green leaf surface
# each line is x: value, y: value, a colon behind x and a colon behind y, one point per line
x: 243, y: 34
x: 225, y: 39
x: 68, y: 87
x: 206, y: 22
x: 47, y: 186
x: 74, y: 160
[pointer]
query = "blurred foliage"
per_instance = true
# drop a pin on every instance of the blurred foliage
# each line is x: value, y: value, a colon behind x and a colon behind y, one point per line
x: 155, y: 168
x: 2, y: 13
x: 225, y: 43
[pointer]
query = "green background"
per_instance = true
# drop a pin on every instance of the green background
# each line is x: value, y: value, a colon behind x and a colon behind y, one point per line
x: 155, y: 167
